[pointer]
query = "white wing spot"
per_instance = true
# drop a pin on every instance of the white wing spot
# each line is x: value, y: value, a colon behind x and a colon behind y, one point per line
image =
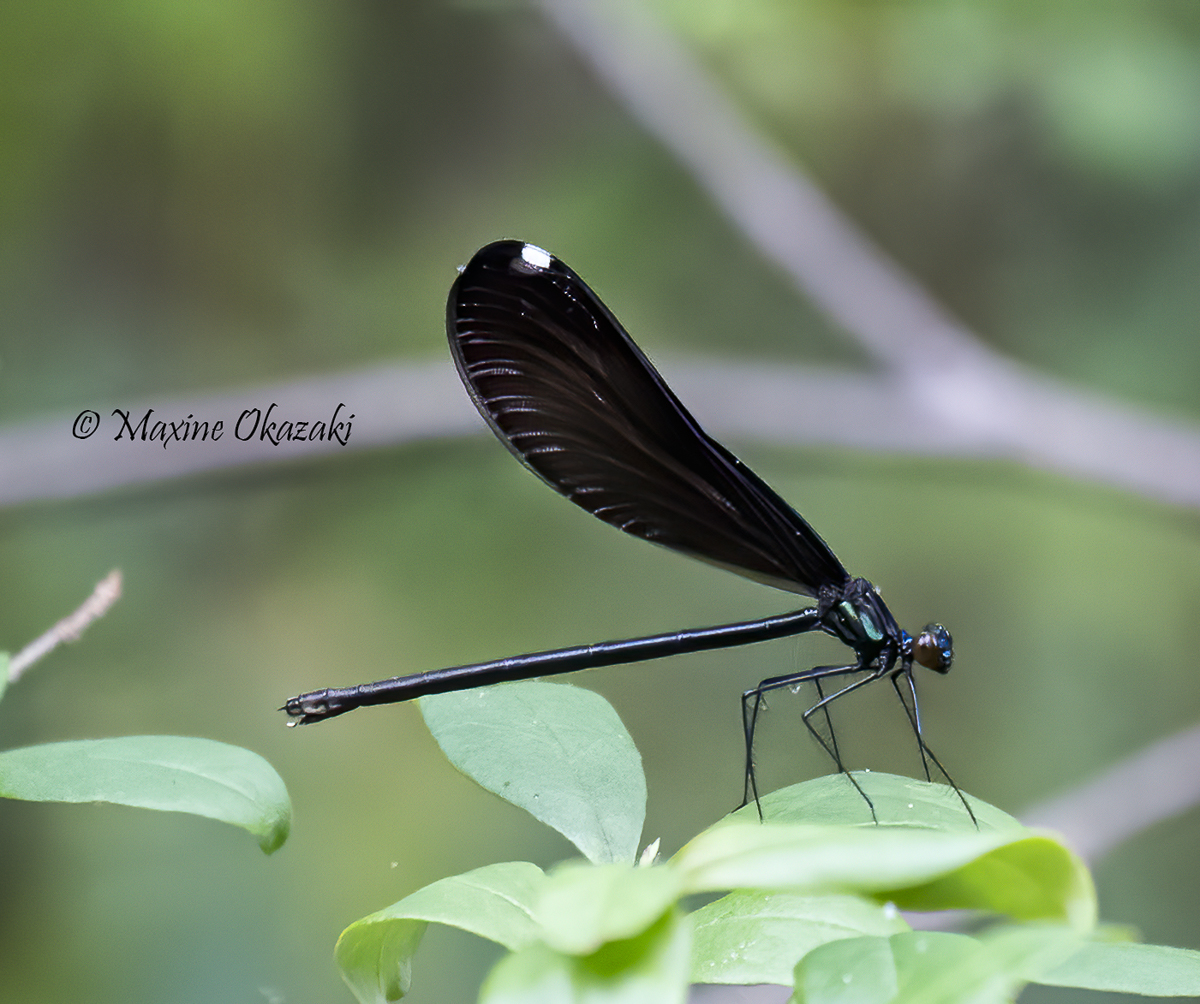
x: 535, y: 256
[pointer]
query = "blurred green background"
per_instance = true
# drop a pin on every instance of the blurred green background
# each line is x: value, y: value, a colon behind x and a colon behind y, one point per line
x: 202, y: 195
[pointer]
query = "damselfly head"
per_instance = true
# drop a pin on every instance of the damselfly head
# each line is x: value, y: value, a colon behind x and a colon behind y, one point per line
x: 933, y: 648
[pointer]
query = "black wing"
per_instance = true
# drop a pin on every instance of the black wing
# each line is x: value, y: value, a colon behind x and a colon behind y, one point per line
x: 567, y: 390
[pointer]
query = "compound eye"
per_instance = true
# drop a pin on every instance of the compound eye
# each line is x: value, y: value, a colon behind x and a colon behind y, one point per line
x: 934, y: 648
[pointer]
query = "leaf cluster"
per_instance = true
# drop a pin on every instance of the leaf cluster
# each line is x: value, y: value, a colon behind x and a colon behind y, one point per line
x: 810, y: 898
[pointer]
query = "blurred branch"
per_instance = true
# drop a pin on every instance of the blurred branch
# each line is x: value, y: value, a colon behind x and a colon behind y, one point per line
x: 390, y: 404
x: 1147, y: 788
x: 779, y: 211
x: 70, y: 628
x: 933, y: 365
x: 396, y: 404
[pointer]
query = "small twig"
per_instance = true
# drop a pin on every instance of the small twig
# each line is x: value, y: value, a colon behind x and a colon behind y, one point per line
x: 106, y: 593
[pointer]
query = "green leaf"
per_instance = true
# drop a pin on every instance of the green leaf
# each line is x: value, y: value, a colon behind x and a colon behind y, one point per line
x: 557, y: 751
x: 825, y: 858
x: 651, y: 968
x: 1020, y: 872
x: 585, y: 906
x: 495, y: 902
x: 1024, y: 949
x: 1035, y: 878
x: 927, y: 967
x: 758, y: 937
x: 849, y: 971
x: 1149, y: 970
x: 898, y: 801
x: 169, y: 773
